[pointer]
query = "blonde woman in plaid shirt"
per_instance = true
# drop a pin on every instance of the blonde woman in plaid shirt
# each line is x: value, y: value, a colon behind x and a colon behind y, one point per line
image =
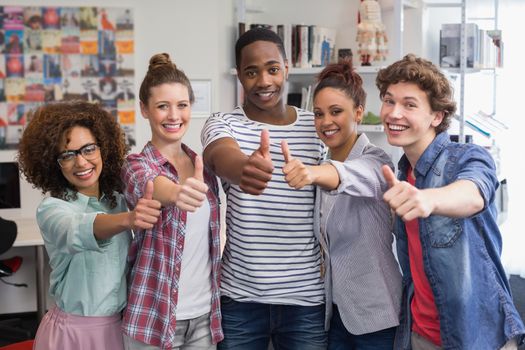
x: 173, y: 299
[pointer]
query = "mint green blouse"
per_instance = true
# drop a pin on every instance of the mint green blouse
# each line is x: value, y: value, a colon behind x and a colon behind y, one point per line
x: 88, y: 276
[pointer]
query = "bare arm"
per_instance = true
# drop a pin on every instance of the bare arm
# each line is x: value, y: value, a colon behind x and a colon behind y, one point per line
x: 108, y: 225
x: 165, y: 190
x: 144, y: 216
x: 252, y: 173
x: 186, y: 196
x: 226, y: 159
x: 325, y: 176
x: 459, y: 199
x: 299, y: 175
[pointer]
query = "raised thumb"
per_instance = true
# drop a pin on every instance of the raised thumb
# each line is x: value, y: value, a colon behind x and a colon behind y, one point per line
x: 264, y: 147
x: 199, y: 169
x: 286, y: 151
x: 148, y: 193
x: 389, y: 175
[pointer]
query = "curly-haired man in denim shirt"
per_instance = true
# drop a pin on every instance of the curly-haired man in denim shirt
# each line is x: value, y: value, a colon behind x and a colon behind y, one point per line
x: 456, y: 294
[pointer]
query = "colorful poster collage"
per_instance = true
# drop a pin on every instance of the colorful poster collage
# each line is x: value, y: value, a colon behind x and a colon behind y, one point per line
x: 65, y: 53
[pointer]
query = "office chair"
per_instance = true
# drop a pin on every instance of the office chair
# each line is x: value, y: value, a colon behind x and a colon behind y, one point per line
x: 10, y: 328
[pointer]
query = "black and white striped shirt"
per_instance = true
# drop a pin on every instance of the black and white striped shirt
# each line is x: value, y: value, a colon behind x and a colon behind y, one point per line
x: 271, y: 255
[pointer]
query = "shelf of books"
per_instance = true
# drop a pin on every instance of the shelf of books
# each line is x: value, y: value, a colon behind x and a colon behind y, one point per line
x: 370, y: 128
x: 306, y: 46
x: 484, y: 48
x: 457, y: 71
x: 477, y: 40
x: 317, y: 70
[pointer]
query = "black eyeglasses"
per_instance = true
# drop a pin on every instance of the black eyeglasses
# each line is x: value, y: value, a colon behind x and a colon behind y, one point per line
x: 88, y: 152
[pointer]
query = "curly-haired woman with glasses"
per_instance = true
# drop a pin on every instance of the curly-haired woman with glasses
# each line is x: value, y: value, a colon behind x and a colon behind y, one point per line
x: 74, y: 152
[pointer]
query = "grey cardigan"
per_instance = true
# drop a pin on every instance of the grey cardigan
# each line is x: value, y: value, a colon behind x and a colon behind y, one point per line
x: 362, y: 275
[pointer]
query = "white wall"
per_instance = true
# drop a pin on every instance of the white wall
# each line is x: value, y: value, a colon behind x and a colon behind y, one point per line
x: 510, y: 109
x: 199, y: 36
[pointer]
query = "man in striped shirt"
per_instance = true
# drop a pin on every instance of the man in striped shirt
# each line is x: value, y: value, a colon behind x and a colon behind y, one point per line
x: 271, y: 282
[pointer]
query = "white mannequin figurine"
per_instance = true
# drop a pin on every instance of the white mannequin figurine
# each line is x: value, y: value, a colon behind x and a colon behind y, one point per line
x: 371, y: 35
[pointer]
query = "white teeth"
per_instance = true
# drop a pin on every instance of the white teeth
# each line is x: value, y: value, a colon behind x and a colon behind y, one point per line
x: 396, y: 127
x: 172, y: 126
x: 82, y: 173
x: 265, y: 94
x: 330, y: 132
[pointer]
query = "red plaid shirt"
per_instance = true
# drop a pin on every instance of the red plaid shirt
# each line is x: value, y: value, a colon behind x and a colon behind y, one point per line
x: 155, y: 255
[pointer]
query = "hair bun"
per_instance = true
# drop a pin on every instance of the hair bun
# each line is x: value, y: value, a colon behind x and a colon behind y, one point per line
x: 342, y: 70
x: 159, y: 60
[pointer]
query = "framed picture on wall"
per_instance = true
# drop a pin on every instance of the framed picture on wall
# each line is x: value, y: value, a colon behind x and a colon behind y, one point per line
x: 202, y: 106
x: 53, y: 53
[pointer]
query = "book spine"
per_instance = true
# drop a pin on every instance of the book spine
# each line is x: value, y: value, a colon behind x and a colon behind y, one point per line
x: 303, y: 53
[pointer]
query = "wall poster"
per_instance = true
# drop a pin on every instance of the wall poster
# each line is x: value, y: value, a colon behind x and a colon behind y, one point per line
x: 64, y: 53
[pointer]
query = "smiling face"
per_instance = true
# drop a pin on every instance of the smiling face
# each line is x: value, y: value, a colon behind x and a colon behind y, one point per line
x: 262, y: 72
x: 408, y: 119
x: 82, y: 174
x: 336, y: 120
x: 169, y: 113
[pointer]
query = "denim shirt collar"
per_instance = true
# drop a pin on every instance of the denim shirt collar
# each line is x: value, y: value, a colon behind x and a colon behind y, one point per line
x: 428, y: 157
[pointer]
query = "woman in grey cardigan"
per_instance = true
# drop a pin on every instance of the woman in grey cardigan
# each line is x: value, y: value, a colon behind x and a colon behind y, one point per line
x: 352, y: 222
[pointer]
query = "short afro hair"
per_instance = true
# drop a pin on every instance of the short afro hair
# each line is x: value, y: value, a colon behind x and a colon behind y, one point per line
x: 257, y: 34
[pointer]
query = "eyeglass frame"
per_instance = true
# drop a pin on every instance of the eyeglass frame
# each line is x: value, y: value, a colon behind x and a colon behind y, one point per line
x: 80, y: 151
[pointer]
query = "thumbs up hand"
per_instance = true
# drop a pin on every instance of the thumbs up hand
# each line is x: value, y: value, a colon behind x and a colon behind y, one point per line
x: 258, y: 169
x: 295, y: 172
x: 406, y: 200
x: 147, y: 210
x: 192, y: 192
x: 389, y: 176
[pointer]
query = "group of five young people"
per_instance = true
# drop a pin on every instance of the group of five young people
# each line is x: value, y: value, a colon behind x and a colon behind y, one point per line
x: 308, y: 260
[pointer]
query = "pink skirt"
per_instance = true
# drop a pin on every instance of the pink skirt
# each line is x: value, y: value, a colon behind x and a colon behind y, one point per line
x: 60, y: 330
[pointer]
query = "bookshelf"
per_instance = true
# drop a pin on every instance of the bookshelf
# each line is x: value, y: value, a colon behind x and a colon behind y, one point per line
x: 366, y: 128
x: 475, y: 86
x: 472, y: 18
x: 341, y: 15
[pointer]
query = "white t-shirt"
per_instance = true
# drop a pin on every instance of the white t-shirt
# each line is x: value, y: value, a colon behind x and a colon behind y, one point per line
x: 194, y: 280
x: 271, y: 255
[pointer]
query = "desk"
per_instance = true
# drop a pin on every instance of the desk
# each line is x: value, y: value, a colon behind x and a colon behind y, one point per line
x: 29, y: 236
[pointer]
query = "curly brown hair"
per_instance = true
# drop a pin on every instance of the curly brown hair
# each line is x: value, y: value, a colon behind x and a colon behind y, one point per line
x: 342, y: 76
x: 42, y: 138
x: 428, y: 77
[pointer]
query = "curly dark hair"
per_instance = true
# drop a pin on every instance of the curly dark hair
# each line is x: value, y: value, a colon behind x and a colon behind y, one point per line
x: 342, y: 76
x: 41, y: 141
x: 423, y: 73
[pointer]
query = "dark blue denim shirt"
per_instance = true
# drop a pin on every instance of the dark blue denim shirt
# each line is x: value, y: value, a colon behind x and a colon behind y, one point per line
x: 461, y: 257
